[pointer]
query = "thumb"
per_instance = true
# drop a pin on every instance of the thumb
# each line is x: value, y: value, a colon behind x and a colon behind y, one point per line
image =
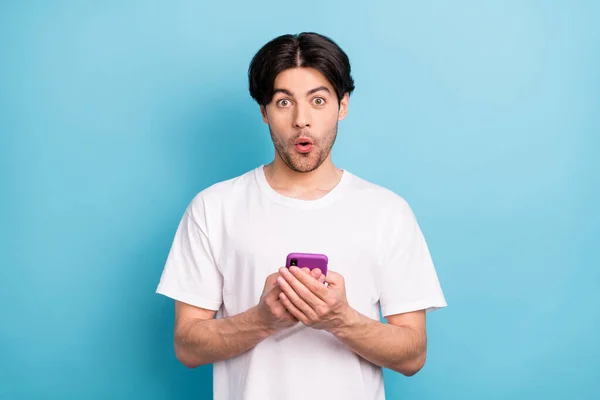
x: 271, y: 281
x: 334, y: 279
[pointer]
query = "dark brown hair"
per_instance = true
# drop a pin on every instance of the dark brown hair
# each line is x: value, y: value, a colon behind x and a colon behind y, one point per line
x: 306, y: 49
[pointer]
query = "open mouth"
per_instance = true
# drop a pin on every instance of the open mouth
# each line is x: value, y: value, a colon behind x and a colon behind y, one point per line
x: 303, y: 145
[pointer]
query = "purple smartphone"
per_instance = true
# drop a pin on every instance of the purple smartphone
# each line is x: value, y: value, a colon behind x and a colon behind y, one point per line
x: 307, y: 260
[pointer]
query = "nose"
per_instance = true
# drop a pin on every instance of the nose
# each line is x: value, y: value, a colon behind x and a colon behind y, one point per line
x: 301, y: 117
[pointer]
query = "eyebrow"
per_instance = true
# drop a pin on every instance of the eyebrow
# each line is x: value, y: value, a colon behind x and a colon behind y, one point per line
x: 312, y: 91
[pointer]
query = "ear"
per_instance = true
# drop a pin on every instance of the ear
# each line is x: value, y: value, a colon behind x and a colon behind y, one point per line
x: 343, y: 111
x: 263, y: 113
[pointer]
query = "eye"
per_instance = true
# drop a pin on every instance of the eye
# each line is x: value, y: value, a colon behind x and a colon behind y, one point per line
x: 319, y: 101
x: 284, y: 103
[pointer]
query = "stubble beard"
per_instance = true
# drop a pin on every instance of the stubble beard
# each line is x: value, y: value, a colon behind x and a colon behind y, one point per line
x: 308, y: 162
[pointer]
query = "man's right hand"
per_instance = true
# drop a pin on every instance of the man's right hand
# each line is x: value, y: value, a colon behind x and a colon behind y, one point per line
x: 270, y: 309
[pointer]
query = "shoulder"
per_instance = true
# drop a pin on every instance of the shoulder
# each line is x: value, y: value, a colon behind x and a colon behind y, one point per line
x: 376, y: 195
x: 388, y: 210
x: 217, y: 194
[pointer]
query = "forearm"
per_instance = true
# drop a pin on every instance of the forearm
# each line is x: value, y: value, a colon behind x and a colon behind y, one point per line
x: 399, y: 348
x: 201, y: 342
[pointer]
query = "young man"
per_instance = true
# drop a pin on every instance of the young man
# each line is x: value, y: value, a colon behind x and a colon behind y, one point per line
x: 284, y: 334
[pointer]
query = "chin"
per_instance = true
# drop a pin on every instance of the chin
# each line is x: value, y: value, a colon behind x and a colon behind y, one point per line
x: 303, y: 163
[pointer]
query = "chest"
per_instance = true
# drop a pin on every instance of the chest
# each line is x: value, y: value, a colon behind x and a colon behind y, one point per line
x: 255, y: 245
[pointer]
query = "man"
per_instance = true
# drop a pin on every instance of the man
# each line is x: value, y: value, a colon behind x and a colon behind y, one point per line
x: 289, y: 334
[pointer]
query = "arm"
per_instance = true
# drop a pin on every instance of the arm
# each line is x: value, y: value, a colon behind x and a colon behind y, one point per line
x: 200, y: 339
x: 408, y: 280
x: 400, y: 345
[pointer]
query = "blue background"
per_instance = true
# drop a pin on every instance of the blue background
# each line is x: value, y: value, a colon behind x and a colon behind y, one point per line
x: 485, y: 117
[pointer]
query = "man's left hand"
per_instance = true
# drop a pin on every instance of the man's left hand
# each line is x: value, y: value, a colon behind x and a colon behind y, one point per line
x: 313, y: 303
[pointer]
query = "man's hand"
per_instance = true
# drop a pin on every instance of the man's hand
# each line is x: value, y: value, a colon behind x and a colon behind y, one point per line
x: 201, y: 339
x: 271, y: 311
x: 400, y: 345
x: 312, y: 303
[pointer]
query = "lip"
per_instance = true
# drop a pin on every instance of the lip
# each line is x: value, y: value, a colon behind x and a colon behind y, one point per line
x: 303, y: 140
x: 303, y: 145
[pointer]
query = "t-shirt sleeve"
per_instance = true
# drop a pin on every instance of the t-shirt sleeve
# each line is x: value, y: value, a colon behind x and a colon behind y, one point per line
x: 409, y: 279
x: 190, y: 274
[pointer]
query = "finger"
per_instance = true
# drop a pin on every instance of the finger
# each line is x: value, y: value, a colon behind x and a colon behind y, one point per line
x: 306, y: 269
x: 308, y: 287
x: 274, y: 291
x: 316, y: 273
x: 304, y: 285
x: 293, y: 296
x: 292, y: 309
x: 287, y: 312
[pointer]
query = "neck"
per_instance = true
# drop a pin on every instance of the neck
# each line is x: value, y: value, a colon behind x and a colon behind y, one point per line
x: 298, y: 184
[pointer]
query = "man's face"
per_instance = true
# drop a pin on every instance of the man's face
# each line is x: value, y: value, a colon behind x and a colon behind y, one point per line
x: 303, y: 117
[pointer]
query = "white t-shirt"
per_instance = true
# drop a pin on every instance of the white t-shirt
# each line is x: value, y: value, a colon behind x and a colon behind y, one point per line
x: 237, y: 232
